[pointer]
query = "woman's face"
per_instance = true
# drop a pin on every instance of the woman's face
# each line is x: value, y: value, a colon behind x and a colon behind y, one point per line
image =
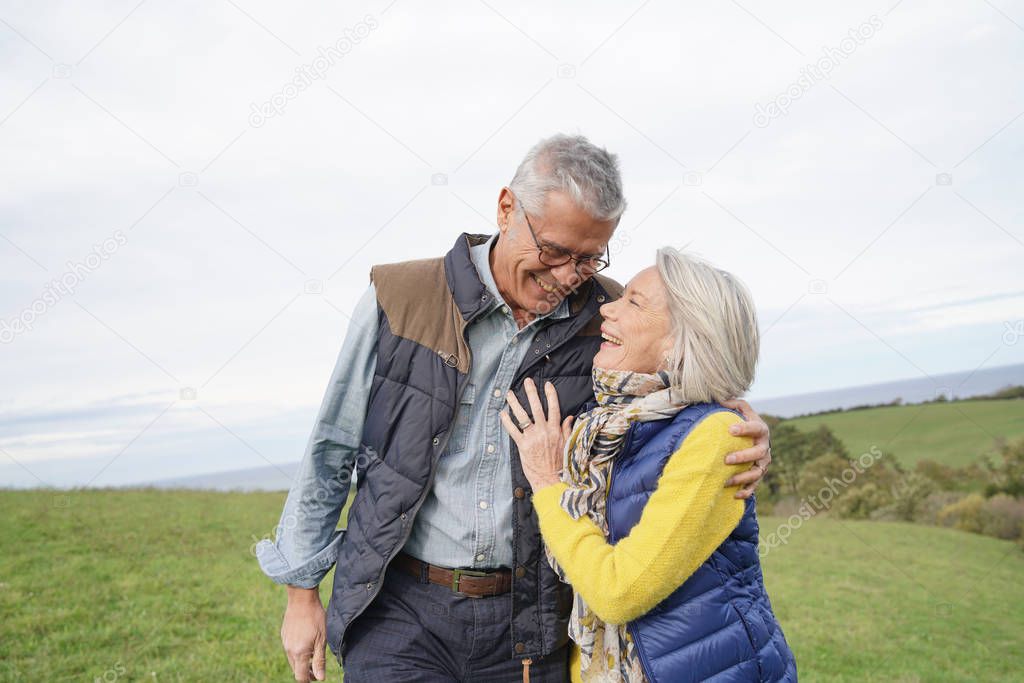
x: 637, y: 330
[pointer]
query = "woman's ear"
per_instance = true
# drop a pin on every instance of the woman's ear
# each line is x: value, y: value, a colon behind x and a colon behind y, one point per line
x: 666, y: 351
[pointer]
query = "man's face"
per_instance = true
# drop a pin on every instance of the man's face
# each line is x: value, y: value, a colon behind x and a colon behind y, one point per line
x: 528, y: 285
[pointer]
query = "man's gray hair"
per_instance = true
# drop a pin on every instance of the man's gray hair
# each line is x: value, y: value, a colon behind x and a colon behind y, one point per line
x: 714, y: 325
x: 572, y: 164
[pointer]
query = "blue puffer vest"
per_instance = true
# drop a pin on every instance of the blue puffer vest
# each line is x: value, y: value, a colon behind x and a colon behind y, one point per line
x: 423, y: 366
x: 719, y: 624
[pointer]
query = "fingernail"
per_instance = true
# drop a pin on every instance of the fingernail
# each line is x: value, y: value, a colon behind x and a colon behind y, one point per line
x: 730, y: 460
x: 730, y: 482
x: 734, y: 430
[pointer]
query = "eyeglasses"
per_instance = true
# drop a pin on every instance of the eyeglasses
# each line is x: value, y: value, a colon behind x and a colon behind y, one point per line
x: 553, y: 257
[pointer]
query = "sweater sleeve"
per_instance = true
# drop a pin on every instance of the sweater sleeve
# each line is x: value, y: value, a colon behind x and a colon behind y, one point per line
x: 688, y: 516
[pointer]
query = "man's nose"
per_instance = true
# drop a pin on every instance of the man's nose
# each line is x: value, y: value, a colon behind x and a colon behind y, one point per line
x: 566, y: 275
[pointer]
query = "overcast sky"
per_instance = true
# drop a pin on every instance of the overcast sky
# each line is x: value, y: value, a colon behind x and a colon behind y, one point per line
x: 857, y: 164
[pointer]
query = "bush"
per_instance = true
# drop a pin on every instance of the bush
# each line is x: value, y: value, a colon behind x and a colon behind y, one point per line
x: 1008, y: 392
x: 794, y: 450
x: 909, y: 494
x: 945, y: 477
x: 1008, y: 476
x: 821, y: 481
x: 965, y: 514
x: 783, y: 507
x: 928, y: 511
x: 861, y: 502
x: 1003, y: 517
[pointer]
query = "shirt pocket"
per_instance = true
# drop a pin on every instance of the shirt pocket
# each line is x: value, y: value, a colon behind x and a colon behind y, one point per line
x: 462, y: 423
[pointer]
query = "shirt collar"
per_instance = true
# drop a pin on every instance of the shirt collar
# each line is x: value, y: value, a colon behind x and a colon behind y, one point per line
x: 480, y: 256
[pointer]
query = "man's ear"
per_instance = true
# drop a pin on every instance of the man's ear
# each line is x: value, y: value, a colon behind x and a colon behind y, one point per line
x: 506, y: 205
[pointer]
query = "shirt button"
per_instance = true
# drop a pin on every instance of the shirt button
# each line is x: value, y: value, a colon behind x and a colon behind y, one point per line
x: 519, y: 493
x: 520, y: 648
x: 515, y: 340
x: 436, y: 441
x: 490, y: 448
x: 483, y: 504
x: 496, y: 393
x: 600, y: 298
x: 480, y: 557
x: 520, y: 572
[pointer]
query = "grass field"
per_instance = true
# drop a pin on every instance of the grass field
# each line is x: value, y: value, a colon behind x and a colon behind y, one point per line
x: 163, y: 586
x: 954, y: 433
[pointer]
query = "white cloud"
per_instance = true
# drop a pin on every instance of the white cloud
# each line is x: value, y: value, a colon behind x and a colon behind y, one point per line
x: 204, y: 292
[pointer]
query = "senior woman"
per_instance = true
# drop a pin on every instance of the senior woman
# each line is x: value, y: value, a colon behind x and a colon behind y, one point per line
x: 663, y: 560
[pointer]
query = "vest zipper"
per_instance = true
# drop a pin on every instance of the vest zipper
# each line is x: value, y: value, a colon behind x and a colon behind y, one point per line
x: 518, y: 379
x: 644, y: 664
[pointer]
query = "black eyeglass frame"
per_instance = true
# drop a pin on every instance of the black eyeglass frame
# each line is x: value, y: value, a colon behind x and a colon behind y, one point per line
x: 602, y: 261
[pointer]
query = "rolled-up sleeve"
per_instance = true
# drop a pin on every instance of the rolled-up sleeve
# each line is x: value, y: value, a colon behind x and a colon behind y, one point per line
x: 307, y: 539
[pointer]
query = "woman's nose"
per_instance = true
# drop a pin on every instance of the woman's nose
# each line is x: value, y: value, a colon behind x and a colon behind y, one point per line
x: 606, y: 310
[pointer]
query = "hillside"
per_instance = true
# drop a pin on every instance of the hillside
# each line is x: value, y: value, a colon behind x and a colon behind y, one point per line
x: 954, y: 433
x: 162, y: 585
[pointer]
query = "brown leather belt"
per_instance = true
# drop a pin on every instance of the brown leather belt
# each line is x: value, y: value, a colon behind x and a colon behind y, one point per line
x: 472, y: 584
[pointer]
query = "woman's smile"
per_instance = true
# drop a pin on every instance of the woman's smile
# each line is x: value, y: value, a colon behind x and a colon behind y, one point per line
x: 636, y: 328
x: 610, y: 340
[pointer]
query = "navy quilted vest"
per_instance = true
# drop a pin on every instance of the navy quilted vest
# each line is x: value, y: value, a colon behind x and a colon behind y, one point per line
x: 719, y: 624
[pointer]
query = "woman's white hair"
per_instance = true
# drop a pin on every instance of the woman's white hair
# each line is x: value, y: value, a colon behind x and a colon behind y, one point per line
x: 571, y: 164
x: 714, y: 325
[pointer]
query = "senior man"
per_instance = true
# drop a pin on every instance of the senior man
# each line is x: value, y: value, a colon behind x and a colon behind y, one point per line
x: 440, y: 572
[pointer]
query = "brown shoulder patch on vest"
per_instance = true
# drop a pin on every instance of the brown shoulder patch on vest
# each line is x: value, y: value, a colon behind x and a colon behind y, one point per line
x: 614, y: 289
x: 415, y: 297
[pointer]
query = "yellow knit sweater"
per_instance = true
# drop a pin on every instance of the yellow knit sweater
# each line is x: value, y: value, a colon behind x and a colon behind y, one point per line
x: 686, y: 518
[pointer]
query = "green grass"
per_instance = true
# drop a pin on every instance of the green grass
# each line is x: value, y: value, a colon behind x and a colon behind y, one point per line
x: 163, y: 586
x: 878, y: 601
x: 139, y: 586
x: 955, y: 433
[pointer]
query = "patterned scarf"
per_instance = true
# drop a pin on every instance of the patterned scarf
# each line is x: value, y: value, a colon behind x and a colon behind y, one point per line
x: 623, y: 397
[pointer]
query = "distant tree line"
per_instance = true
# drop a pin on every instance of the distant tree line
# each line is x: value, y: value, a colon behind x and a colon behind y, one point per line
x: 1007, y: 392
x: 813, y: 472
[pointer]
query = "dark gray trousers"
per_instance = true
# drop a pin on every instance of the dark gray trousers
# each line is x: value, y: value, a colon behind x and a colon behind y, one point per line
x: 418, y: 631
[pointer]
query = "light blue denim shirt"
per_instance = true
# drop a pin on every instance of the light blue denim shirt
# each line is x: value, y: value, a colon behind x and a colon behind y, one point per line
x: 466, y: 519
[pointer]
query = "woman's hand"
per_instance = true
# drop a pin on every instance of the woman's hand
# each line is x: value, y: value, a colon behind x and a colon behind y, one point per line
x: 541, y: 442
